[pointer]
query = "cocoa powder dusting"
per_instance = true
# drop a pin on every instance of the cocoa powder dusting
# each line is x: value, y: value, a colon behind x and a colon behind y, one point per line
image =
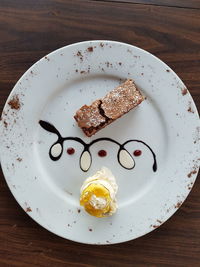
x: 90, y: 49
x: 184, y: 91
x: 154, y: 226
x: 14, y: 102
x: 191, y: 173
x: 178, y: 204
x: 28, y: 209
x: 5, y: 124
x: 190, y: 108
x: 79, y: 54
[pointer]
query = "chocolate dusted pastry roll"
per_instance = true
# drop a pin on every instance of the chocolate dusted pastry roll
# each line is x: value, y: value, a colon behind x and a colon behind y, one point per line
x: 112, y: 106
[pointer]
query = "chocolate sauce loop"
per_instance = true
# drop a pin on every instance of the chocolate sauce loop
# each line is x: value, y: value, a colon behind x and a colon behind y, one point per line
x: 85, y: 160
x: 124, y: 157
x: 154, y: 167
x: 55, y: 151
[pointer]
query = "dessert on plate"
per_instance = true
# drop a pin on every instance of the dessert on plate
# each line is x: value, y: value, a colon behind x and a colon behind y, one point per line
x: 98, y: 194
x: 112, y: 106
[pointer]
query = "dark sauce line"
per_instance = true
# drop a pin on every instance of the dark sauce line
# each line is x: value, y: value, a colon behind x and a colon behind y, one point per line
x: 60, y: 141
x: 153, y: 154
x: 118, y: 158
x: 50, y: 128
x: 103, y: 139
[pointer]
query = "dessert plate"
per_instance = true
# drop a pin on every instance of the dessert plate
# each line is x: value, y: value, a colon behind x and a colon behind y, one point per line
x: 166, y: 123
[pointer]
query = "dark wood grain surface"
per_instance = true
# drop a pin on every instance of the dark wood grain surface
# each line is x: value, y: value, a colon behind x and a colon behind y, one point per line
x: 29, y: 30
x: 169, y: 3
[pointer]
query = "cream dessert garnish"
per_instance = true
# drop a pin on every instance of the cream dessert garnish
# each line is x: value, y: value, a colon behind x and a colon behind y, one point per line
x: 98, y: 194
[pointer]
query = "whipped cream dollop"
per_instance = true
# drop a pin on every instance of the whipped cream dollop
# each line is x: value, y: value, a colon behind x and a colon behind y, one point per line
x: 97, y: 202
x: 98, y: 193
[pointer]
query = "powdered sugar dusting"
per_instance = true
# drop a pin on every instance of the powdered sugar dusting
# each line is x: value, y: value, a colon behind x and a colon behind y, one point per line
x: 89, y: 116
x: 121, y: 100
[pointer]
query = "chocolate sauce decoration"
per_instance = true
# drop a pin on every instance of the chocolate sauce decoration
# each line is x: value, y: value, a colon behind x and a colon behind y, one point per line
x: 124, y: 157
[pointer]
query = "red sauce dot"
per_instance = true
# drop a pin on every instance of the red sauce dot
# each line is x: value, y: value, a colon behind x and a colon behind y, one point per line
x: 102, y: 153
x: 137, y: 153
x: 70, y: 150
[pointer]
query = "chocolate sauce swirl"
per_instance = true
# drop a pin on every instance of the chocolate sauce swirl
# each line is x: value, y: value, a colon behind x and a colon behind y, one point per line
x: 124, y: 158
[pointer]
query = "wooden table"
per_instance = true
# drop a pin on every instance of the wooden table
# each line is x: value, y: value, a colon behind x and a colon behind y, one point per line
x: 170, y: 29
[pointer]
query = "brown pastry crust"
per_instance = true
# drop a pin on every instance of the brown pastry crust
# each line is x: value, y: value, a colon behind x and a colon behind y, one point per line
x: 104, y: 111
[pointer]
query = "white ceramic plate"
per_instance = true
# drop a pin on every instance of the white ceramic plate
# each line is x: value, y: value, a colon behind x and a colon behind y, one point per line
x: 52, y: 90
